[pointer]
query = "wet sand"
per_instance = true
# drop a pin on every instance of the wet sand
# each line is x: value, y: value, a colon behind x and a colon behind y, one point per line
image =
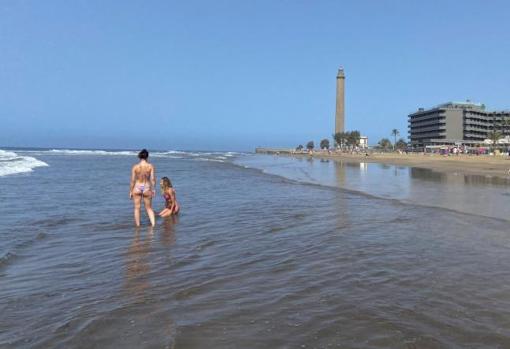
x: 485, y: 165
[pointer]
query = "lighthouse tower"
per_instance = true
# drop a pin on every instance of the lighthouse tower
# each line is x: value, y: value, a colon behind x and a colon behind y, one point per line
x: 340, y: 101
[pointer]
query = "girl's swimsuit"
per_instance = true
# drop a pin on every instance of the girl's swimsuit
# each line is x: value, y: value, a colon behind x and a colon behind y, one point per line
x: 168, y: 203
x: 141, y: 187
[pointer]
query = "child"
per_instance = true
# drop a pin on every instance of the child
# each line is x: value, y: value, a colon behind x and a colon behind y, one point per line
x: 171, y: 205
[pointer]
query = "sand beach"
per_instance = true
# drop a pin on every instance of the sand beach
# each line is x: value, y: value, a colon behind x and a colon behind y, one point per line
x: 485, y: 165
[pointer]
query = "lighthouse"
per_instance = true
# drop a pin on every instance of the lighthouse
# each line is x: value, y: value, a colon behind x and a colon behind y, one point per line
x: 340, y: 101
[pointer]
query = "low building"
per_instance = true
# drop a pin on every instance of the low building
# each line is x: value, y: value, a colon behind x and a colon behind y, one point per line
x: 363, y: 142
x: 454, y: 123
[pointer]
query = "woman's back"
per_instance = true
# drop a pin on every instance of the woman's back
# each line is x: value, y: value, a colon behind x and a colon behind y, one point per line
x: 143, y: 172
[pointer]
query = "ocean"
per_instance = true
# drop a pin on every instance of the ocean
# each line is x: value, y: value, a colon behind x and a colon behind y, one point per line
x: 267, y: 252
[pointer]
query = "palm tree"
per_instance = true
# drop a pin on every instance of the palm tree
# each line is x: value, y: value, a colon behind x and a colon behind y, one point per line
x: 340, y: 138
x: 385, y: 143
x: 401, y: 144
x: 505, y: 126
x: 353, y: 138
x: 494, y: 135
x: 395, y: 134
x: 325, y: 143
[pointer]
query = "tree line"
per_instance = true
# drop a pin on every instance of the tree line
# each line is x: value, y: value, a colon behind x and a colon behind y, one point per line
x: 341, y: 139
x: 500, y: 129
x: 386, y: 144
x: 351, y: 139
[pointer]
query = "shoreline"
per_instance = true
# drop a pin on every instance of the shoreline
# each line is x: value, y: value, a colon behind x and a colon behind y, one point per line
x: 483, y: 165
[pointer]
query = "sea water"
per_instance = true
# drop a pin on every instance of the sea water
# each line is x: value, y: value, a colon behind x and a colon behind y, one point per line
x: 268, y: 252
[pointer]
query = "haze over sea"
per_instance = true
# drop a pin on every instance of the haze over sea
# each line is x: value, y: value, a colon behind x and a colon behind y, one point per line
x: 267, y: 252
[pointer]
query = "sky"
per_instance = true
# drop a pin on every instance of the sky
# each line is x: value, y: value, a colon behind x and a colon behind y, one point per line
x: 234, y: 75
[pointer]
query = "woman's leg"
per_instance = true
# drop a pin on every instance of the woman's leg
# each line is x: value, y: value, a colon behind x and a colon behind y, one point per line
x: 137, y: 201
x: 165, y: 213
x: 147, y: 201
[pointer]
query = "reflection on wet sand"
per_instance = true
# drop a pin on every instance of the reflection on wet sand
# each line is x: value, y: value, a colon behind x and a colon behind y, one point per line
x: 137, y: 264
x: 167, y: 236
x: 138, y: 267
x: 431, y: 175
x: 341, y: 204
x: 476, y: 194
x: 482, y: 195
x: 467, y: 193
x: 340, y: 174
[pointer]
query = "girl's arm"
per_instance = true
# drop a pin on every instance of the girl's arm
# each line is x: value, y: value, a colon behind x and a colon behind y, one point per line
x: 168, y: 192
x: 172, y: 197
x: 132, y: 182
x: 153, y: 181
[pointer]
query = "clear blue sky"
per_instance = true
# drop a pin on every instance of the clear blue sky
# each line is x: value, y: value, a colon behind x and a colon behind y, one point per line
x: 238, y: 74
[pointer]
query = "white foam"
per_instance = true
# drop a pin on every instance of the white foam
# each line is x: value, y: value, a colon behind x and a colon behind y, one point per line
x: 172, y: 154
x: 166, y: 156
x: 7, y: 155
x: 175, y: 152
x: 208, y: 159
x: 90, y: 152
x: 169, y: 154
x: 12, y: 163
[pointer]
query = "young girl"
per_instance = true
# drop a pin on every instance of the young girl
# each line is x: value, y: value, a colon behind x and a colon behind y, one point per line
x: 171, y: 205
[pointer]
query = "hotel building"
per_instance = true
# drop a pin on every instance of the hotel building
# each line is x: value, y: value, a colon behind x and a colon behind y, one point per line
x: 453, y: 123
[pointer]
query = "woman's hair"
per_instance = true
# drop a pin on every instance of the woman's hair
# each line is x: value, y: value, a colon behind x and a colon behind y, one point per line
x: 166, y: 183
x: 143, y: 154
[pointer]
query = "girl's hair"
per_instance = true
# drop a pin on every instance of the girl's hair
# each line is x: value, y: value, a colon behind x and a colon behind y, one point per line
x: 143, y: 154
x: 166, y: 183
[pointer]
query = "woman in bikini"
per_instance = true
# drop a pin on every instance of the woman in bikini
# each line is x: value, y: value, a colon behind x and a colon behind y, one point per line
x: 168, y: 191
x: 143, y: 186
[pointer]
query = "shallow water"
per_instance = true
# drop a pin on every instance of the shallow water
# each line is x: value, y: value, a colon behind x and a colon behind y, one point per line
x: 255, y: 260
x: 474, y: 194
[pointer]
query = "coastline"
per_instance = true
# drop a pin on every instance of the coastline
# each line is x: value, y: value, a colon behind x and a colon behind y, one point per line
x: 483, y: 165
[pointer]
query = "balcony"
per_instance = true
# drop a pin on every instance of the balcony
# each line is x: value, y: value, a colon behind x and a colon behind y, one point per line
x: 471, y: 135
x: 436, y: 128
x: 476, y: 128
x: 427, y: 135
x: 477, y: 123
x: 434, y: 115
x: 437, y: 121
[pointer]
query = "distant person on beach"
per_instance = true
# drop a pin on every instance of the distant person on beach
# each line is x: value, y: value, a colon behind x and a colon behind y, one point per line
x: 143, y: 186
x: 168, y: 192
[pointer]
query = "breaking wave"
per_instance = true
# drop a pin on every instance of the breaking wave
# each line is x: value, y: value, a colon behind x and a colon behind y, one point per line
x: 215, y: 156
x: 90, y: 152
x: 12, y: 163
